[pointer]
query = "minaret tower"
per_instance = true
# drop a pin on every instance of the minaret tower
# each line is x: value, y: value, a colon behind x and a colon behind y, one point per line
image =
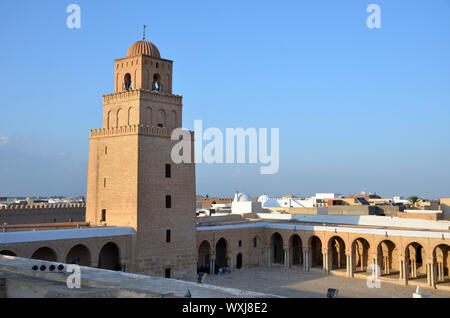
x: 132, y: 180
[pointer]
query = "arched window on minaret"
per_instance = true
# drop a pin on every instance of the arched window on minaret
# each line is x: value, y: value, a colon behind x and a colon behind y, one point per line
x: 108, y: 120
x: 127, y: 83
x: 161, y: 118
x: 130, y: 116
x: 156, y: 83
x: 168, y: 88
x: 136, y: 76
x: 173, y: 119
x: 148, y: 116
x: 118, y: 118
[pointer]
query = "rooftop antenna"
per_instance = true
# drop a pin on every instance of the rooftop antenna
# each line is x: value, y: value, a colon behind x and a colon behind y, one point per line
x: 143, y: 33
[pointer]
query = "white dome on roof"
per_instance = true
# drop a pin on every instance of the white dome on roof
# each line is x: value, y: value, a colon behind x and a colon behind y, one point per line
x: 263, y: 198
x: 242, y: 197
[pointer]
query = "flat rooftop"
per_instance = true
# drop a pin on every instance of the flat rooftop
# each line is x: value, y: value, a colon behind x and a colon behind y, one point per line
x: 62, y: 234
x: 22, y: 281
x: 44, y: 226
x: 381, y: 225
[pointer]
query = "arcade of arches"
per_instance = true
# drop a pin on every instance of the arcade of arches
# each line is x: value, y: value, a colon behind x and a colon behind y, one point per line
x: 389, y: 257
x: 107, y: 258
x: 421, y: 259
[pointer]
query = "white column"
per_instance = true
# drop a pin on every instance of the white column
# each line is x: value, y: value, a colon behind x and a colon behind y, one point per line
x: 346, y: 264
x: 261, y: 258
x: 403, y: 271
x: 431, y: 274
x: 376, y: 268
x: 434, y: 272
x: 306, y: 260
x: 350, y: 265
x: 325, y: 262
x: 286, y: 258
x: 440, y: 271
x: 406, y: 271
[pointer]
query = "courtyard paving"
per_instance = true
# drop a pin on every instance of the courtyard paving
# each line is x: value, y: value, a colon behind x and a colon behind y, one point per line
x: 299, y: 284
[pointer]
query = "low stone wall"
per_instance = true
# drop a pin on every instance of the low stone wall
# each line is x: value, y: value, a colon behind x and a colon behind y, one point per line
x: 21, y: 281
x: 341, y: 210
x: 37, y: 214
x: 422, y: 216
x: 294, y: 210
x: 388, y: 210
x: 353, y: 210
x: 205, y: 220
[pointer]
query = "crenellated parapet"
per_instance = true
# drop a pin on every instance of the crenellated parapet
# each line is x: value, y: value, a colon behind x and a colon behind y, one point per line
x: 33, y: 207
x: 145, y: 95
x: 131, y: 130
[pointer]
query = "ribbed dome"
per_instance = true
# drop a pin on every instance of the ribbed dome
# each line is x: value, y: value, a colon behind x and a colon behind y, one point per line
x: 242, y: 197
x: 143, y: 47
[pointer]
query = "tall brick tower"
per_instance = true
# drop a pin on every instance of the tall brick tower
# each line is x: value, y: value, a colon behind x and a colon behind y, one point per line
x: 132, y: 180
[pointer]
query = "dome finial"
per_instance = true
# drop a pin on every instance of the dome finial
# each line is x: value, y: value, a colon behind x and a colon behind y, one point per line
x: 143, y: 33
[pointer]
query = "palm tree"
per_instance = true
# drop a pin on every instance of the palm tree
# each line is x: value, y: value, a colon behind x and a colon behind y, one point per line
x: 414, y: 199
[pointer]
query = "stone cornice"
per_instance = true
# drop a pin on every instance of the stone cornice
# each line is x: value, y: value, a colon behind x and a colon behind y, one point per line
x: 133, y: 130
x: 143, y: 94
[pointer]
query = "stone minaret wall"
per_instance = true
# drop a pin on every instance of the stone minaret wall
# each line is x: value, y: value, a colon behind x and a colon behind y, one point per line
x: 127, y: 182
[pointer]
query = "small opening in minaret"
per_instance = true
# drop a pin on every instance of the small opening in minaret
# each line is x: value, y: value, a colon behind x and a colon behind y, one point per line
x: 127, y: 83
x: 168, y: 201
x: 156, y: 84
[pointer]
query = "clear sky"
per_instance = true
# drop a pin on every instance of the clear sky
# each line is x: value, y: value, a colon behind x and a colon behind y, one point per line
x: 358, y: 109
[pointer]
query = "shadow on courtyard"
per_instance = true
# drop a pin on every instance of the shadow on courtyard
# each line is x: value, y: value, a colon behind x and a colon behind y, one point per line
x: 295, y: 283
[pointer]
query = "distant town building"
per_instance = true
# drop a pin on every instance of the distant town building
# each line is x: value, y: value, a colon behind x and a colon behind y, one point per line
x: 243, y: 203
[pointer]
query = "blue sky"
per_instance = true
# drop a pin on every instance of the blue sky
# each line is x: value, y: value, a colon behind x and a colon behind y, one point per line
x: 358, y: 109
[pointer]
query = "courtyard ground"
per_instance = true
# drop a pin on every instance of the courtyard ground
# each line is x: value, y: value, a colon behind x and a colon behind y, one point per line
x: 299, y: 284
